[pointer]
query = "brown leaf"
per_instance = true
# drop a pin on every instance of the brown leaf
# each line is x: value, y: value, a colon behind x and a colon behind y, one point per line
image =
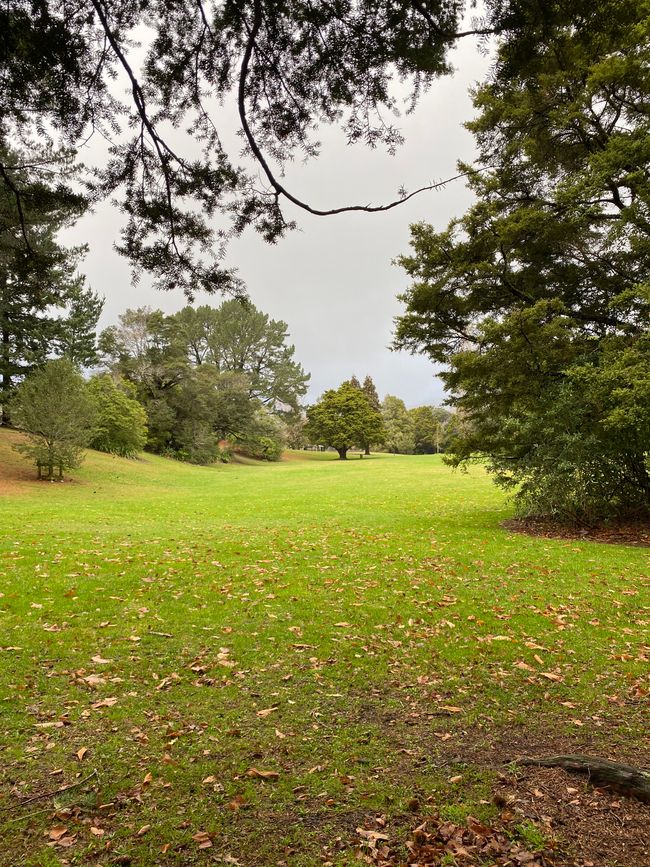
x: 266, y: 711
x: 57, y: 832
x: 81, y: 753
x: 263, y: 775
x: 237, y: 803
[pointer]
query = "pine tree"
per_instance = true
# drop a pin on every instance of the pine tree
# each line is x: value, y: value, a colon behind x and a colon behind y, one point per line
x: 37, y: 275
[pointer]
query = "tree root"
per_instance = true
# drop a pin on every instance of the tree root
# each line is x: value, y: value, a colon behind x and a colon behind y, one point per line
x: 625, y: 779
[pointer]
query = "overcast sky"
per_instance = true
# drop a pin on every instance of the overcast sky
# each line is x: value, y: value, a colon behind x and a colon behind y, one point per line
x: 332, y: 280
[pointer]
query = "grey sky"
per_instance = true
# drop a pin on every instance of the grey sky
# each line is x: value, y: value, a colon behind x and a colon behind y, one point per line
x: 332, y: 281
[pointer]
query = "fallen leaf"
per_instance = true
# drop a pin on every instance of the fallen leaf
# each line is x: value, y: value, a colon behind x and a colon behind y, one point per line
x: 81, y: 753
x: 263, y: 775
x: 266, y: 711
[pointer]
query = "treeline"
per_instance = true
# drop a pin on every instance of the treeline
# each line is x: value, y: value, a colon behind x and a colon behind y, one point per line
x: 193, y: 385
x: 353, y: 416
x: 208, y: 379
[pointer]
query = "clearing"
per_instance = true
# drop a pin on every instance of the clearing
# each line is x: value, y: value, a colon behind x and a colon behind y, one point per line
x: 300, y: 663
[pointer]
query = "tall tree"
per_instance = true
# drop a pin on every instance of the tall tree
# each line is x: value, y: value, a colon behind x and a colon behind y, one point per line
x: 372, y: 397
x: 429, y: 429
x: 286, y: 67
x: 37, y: 275
x: 238, y: 337
x: 540, y: 292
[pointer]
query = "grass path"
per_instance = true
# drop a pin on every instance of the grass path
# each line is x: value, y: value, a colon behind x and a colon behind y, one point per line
x: 360, y: 633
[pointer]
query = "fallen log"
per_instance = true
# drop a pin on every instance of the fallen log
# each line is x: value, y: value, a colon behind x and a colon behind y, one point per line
x: 625, y: 779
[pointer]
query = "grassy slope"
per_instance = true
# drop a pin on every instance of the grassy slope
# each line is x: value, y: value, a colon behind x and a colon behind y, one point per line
x: 360, y: 600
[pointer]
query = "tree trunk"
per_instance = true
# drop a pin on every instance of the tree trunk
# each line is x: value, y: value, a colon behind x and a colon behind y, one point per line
x: 367, y: 450
x: 343, y: 454
x: 628, y: 780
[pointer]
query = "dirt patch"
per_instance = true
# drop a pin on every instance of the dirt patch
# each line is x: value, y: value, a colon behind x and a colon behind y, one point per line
x: 636, y: 534
x: 598, y: 828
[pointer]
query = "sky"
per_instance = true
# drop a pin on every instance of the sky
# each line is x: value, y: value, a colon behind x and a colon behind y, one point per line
x: 333, y: 280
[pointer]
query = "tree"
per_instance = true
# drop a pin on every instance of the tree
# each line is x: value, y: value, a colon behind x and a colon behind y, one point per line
x: 537, y: 298
x: 287, y: 68
x: 370, y: 392
x: 53, y: 408
x: 343, y: 418
x: 238, y: 337
x: 37, y: 275
x: 120, y: 421
x: 75, y: 335
x: 429, y: 429
x: 398, y: 426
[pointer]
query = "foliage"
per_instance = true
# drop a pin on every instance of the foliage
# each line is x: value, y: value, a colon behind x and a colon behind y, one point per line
x: 537, y: 298
x: 38, y: 276
x: 265, y: 437
x: 52, y: 407
x: 287, y: 67
x: 121, y: 422
x: 238, y: 337
x: 343, y: 418
x: 430, y: 432
x: 203, y: 375
x: 398, y: 426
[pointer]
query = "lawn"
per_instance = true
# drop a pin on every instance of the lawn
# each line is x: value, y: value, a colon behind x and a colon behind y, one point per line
x: 246, y: 663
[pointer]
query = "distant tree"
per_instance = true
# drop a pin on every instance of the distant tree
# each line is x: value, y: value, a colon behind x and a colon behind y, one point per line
x: 429, y: 429
x: 398, y: 427
x: 121, y: 422
x: 208, y: 407
x: 370, y: 392
x: 53, y: 408
x: 296, y: 433
x: 343, y: 418
x: 141, y: 349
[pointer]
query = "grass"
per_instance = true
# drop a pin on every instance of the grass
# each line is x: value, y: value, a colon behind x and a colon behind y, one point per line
x: 365, y: 630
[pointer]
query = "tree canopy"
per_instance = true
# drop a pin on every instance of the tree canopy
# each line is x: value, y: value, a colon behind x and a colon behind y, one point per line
x: 287, y: 68
x: 537, y: 298
x: 344, y: 418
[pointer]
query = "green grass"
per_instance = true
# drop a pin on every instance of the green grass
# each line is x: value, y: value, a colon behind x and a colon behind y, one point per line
x: 358, y: 600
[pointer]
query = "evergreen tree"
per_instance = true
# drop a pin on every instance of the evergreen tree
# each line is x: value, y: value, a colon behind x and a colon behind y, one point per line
x: 537, y: 299
x: 370, y: 392
x: 37, y: 275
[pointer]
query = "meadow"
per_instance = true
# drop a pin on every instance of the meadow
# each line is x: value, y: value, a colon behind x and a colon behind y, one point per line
x: 247, y: 663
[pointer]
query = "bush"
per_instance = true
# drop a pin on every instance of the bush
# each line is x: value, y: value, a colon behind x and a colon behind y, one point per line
x: 121, y: 422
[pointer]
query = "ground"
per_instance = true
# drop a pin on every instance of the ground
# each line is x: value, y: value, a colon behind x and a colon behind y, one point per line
x: 311, y: 662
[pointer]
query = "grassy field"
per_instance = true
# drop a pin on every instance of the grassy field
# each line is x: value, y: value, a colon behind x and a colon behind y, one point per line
x: 248, y: 661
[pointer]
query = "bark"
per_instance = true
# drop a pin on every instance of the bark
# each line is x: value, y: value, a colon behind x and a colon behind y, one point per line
x: 343, y: 454
x: 626, y: 779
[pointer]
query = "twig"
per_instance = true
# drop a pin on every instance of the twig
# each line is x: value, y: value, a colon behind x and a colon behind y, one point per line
x: 51, y: 794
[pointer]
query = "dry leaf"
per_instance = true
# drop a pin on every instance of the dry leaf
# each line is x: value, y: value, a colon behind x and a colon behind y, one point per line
x: 266, y: 711
x: 263, y: 775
